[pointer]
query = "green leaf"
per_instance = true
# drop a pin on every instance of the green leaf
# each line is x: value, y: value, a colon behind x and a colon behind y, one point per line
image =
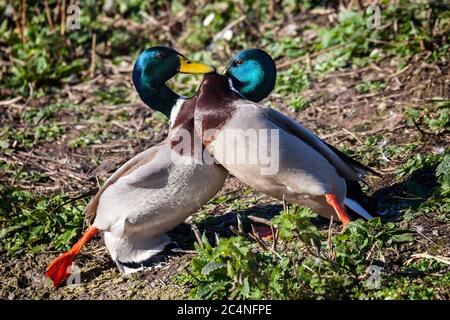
x: 212, y: 266
x: 402, y: 237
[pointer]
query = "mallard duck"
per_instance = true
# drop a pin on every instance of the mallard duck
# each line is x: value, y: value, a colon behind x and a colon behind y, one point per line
x: 160, y: 187
x: 149, y: 194
x: 306, y: 170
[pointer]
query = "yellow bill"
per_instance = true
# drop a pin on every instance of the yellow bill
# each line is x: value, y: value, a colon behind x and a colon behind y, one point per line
x: 188, y: 66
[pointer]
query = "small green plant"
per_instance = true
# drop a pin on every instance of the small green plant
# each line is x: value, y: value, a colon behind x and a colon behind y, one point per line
x: 229, y: 269
x: 290, y: 83
x: 88, y: 139
x: 48, y: 133
x: 435, y: 200
x: 418, y: 162
x: 113, y: 95
x: 293, y: 80
x: 370, y: 86
x: 443, y: 173
x: 435, y: 117
x: 378, y: 150
x: 38, y: 115
x: 299, y: 103
x: 32, y: 223
x: 351, y: 31
x: 28, y: 138
x: 305, y: 264
x: 439, y: 202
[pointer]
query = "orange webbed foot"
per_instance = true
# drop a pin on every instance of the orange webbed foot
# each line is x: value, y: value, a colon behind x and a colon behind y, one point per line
x: 332, y: 201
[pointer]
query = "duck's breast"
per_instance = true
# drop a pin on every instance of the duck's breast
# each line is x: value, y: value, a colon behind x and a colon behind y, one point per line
x: 159, y: 195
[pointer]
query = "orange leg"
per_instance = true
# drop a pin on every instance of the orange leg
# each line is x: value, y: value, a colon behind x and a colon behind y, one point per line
x: 332, y: 201
x: 58, y: 270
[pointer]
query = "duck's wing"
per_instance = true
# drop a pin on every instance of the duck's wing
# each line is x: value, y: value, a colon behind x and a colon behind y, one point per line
x: 347, y: 167
x: 155, y: 175
x: 350, y: 160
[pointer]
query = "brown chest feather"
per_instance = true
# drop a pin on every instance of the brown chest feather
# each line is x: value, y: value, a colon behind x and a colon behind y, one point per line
x: 214, y: 105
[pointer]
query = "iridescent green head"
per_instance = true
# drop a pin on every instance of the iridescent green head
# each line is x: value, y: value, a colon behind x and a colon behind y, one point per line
x: 154, y: 67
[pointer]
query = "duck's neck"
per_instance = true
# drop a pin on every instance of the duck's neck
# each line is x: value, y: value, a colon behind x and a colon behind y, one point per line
x: 159, y: 98
x: 215, y: 102
x: 153, y: 90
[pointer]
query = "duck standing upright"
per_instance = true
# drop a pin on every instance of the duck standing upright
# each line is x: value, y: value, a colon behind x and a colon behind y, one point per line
x: 160, y: 187
x: 307, y: 170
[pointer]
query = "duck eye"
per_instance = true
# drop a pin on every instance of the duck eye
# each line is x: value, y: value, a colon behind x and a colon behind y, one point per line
x: 238, y: 62
x: 160, y: 55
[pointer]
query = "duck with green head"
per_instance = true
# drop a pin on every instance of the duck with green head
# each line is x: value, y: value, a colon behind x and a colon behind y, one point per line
x: 160, y: 187
x: 303, y: 169
x: 153, y: 68
x: 252, y: 73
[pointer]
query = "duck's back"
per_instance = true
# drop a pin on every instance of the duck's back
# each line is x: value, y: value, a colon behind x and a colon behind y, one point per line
x: 262, y: 154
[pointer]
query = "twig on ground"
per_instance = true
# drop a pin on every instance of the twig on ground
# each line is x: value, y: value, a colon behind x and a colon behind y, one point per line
x: 198, y: 237
x: 260, y: 220
x: 93, y: 56
x: 442, y: 259
x: 309, y: 56
x: 330, y: 231
x: 21, y: 168
x: 63, y: 17
x: 49, y: 17
x: 10, y: 101
x: 240, y: 224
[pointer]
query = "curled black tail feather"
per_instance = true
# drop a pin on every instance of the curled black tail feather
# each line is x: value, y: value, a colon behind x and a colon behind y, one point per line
x: 82, y: 196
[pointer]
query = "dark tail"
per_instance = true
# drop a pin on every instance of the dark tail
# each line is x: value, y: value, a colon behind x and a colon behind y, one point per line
x: 355, y: 193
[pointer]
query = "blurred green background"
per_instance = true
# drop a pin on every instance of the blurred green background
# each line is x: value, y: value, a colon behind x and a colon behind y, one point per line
x: 39, y: 52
